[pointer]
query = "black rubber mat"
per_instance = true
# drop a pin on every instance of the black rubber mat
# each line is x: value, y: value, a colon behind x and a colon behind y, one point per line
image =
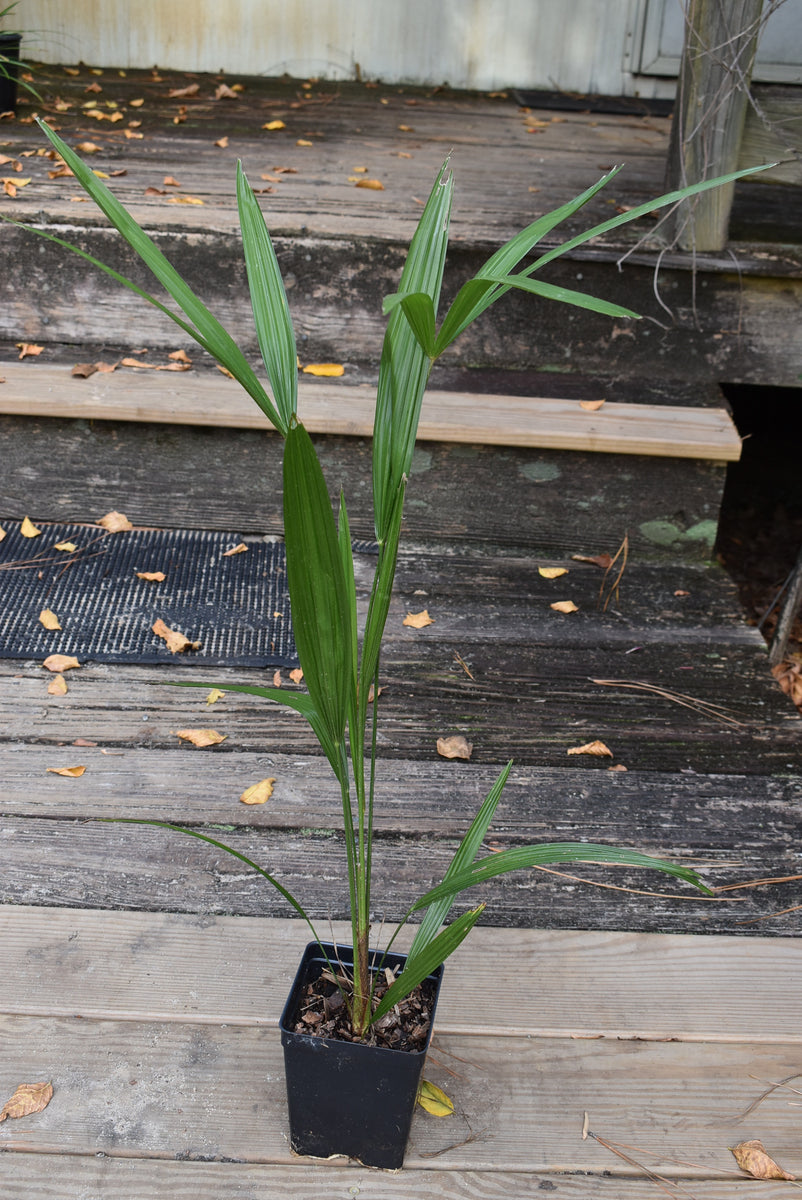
x: 237, y: 607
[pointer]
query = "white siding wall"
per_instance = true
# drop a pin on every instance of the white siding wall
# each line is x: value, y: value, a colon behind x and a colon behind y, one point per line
x: 576, y: 45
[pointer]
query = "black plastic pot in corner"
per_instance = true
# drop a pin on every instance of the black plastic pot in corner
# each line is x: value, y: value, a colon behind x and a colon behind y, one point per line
x: 9, y: 60
x: 343, y: 1097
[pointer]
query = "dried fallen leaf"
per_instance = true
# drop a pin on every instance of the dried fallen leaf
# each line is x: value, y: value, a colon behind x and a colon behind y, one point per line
x: 177, y: 642
x: 180, y: 356
x: 374, y: 185
x: 617, y: 767
x: 185, y: 200
x: 28, y: 529
x: 752, y: 1157
x: 372, y: 693
x: 28, y: 1099
x: 224, y: 92
x: 591, y: 405
x: 273, y: 125
x: 552, y: 572
x: 418, y: 620
x: 60, y: 662
x: 325, y: 370
x: 136, y: 103
x: 259, y: 793
x: 597, y: 749
x: 192, y: 89
x: 564, y: 606
x: 304, y: 142
x: 296, y: 675
x: 604, y: 561
x: 87, y: 147
x: 115, y: 522
x: 170, y: 181
x: 29, y: 349
x: 70, y: 772
x: 214, y: 695
x: 277, y: 679
x: 57, y: 686
x: 152, y: 191
x: 454, y: 747
x: 151, y: 576
x: 70, y: 546
x: 240, y: 548
x: 129, y: 133
x: 201, y: 737
x: 49, y: 619
x: 83, y: 370
x: 433, y: 1100
x: 222, y: 143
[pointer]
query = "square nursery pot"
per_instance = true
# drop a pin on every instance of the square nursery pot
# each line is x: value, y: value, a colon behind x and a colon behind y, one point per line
x: 346, y: 1097
x: 9, y: 58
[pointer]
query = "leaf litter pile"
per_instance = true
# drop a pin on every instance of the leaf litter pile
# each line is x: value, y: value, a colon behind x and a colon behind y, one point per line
x: 324, y: 1012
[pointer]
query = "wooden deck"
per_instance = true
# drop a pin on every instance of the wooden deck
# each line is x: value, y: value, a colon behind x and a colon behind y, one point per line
x: 143, y: 973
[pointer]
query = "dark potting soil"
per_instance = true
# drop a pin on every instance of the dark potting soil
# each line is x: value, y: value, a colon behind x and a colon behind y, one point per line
x: 324, y: 1013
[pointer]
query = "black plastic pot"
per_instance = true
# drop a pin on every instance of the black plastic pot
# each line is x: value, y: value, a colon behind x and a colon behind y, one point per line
x: 9, y: 59
x: 343, y: 1097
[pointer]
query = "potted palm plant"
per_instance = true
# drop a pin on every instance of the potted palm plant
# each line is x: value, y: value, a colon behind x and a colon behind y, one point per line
x: 10, y: 42
x: 351, y: 1081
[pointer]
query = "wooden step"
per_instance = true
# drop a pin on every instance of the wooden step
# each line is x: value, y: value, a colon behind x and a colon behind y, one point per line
x: 201, y: 398
x: 659, y: 1044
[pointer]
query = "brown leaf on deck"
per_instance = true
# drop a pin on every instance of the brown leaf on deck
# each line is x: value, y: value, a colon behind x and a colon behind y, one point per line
x: 28, y: 1099
x: 88, y: 147
x: 597, y: 748
x: 418, y: 620
x: 151, y: 576
x: 115, y: 522
x: 240, y: 548
x: 185, y: 200
x: 57, y: 686
x: 49, y: 619
x: 605, y: 561
x: 222, y: 143
x: 28, y: 349
x: 2, y: 533
x: 177, y: 642
x: 60, y: 662
x: 591, y: 405
x: 201, y: 737
x: 191, y: 89
x: 83, y: 370
x: 70, y: 547
x: 564, y: 606
x: 296, y: 675
x: 180, y: 356
x: 455, y: 746
x: 224, y: 92
x: 752, y: 1157
x: 374, y: 185
x: 70, y: 772
x: 271, y: 126
x: 552, y: 572
x: 170, y: 181
x: 277, y: 679
x: 258, y: 793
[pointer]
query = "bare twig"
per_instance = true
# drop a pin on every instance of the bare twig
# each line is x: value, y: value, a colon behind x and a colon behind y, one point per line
x: 701, y: 706
x: 617, y: 887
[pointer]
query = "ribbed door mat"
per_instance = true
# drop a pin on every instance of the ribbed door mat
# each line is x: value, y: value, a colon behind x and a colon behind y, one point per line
x: 236, y: 606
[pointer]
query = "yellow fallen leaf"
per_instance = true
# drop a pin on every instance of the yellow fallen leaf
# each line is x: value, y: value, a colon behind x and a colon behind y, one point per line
x: 184, y: 200
x: 115, y: 522
x: 87, y: 147
x: 272, y: 125
x: 564, y: 606
x: 57, y: 686
x: 597, y: 748
x: 201, y: 737
x: 3, y: 534
x: 28, y: 529
x: 552, y: 572
x: 170, y: 181
x: 129, y: 133
x: 434, y: 1100
x: 259, y: 793
x: 591, y: 405
x: 136, y: 103
x: 28, y: 349
x: 325, y: 370
x: 28, y: 1099
x: 60, y: 662
x: 151, y: 576
x: 240, y: 548
x: 296, y: 675
x: 752, y: 1157
x: 222, y: 143
x: 214, y: 695
x: 304, y: 142
x: 418, y: 620
x: 359, y: 170
x: 177, y: 642
x: 277, y: 679
x: 69, y: 546
x: 49, y: 619
x: 71, y: 772
x: 454, y: 747
x: 375, y: 185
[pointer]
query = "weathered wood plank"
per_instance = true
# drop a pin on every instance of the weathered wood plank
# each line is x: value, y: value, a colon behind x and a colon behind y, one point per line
x: 80, y: 864
x: 555, y: 424
x: 35, y: 1177
x: 549, y: 501
x: 168, y: 1090
x: 623, y: 985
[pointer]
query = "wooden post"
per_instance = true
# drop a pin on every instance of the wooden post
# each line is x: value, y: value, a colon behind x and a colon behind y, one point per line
x: 717, y: 59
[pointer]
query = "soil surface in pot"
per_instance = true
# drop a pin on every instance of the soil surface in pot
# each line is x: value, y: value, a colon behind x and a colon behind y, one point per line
x: 324, y: 1013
